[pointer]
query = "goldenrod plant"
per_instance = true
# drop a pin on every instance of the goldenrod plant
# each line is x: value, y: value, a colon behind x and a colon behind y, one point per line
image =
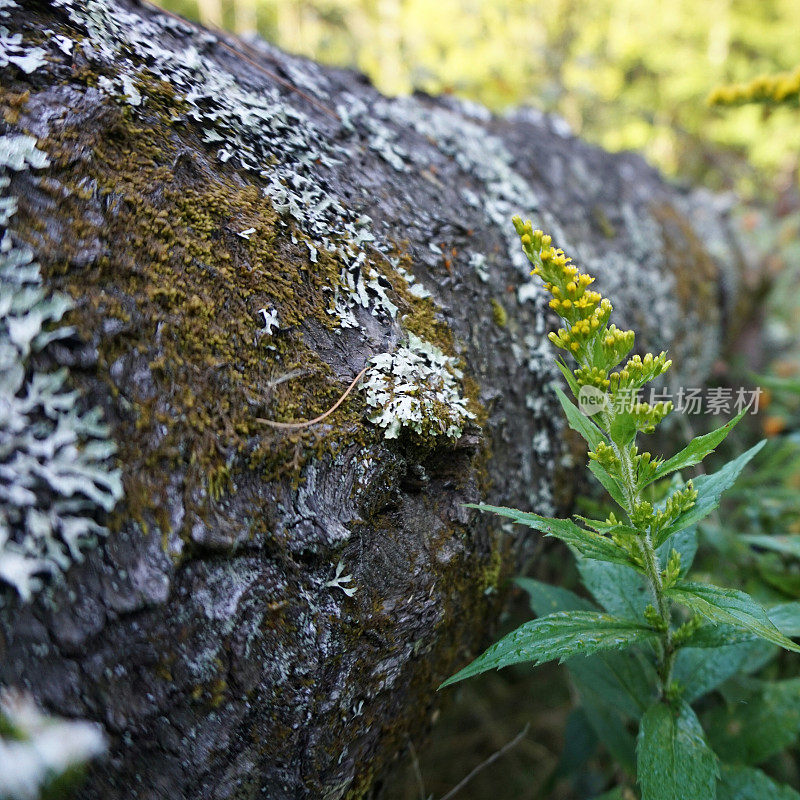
x: 780, y: 89
x: 654, y: 641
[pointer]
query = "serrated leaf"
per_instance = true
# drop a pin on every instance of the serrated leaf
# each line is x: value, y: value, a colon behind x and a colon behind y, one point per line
x: 618, y: 589
x: 731, y: 607
x: 557, y: 636
x: 765, y: 722
x: 709, y: 490
x: 697, y: 449
x: 579, y: 422
x: 607, y: 482
x: 673, y: 760
x: 588, y: 543
x: 747, y: 783
x: 546, y: 599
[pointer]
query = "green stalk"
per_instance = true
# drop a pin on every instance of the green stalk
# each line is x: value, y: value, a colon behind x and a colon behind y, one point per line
x: 666, y: 651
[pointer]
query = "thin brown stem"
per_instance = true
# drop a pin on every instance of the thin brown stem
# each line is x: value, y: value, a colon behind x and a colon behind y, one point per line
x: 492, y: 758
x: 308, y: 423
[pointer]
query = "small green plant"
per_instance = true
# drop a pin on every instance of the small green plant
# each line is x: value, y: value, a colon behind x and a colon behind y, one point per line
x: 658, y: 641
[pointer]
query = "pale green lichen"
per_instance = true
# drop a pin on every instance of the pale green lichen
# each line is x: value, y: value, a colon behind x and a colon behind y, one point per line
x: 54, y: 457
x: 36, y: 749
x: 416, y: 387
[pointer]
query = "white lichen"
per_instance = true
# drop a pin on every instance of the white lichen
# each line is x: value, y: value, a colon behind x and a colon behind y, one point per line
x: 343, y: 582
x: 54, y: 458
x: 271, y: 323
x: 416, y: 387
x: 14, y: 51
x: 35, y: 749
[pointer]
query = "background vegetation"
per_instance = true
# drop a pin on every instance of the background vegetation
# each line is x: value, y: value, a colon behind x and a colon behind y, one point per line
x: 625, y: 74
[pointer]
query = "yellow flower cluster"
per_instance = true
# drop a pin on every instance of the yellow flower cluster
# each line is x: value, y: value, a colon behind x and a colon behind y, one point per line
x: 597, y: 347
x: 781, y: 88
x: 639, y: 371
x: 584, y: 310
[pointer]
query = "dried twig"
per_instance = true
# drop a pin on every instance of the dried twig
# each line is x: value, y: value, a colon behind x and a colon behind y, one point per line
x: 492, y: 758
x: 417, y: 770
x: 308, y: 423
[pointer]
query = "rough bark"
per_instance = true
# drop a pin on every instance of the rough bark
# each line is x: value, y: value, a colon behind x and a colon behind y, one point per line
x: 207, y: 630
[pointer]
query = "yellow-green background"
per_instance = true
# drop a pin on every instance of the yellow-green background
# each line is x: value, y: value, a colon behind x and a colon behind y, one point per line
x: 623, y: 73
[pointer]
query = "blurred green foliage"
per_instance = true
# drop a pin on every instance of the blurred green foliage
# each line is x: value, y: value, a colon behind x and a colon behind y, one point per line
x: 624, y: 73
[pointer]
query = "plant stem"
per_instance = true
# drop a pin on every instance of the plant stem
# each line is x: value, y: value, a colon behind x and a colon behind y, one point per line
x: 666, y: 651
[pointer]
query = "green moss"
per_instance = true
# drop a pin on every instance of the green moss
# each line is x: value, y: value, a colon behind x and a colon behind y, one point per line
x: 186, y: 291
x: 499, y: 314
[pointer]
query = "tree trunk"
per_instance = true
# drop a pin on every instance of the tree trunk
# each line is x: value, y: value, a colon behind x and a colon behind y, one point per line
x: 262, y: 611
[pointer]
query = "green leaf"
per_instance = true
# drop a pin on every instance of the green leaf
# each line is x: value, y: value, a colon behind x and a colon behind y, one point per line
x: 787, y: 545
x: 607, y: 482
x: 614, y: 794
x: 557, y: 636
x: 765, y: 722
x: 699, y: 670
x: 674, y: 762
x: 756, y: 651
x: 717, y: 635
x: 709, y: 490
x: 623, y: 428
x: 731, y: 607
x: 746, y: 783
x: 610, y: 727
x: 569, y: 377
x: 546, y: 599
x: 580, y: 744
x: 685, y: 542
x: 697, y: 449
x: 599, y: 525
x: 579, y: 422
x: 619, y: 590
x: 625, y: 680
x: 588, y: 543
x: 789, y: 385
x: 786, y: 618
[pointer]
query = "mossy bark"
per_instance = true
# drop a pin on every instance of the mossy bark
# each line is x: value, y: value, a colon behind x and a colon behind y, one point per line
x: 205, y: 633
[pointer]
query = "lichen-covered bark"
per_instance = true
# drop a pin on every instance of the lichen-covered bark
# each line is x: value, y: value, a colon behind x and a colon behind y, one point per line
x: 271, y: 610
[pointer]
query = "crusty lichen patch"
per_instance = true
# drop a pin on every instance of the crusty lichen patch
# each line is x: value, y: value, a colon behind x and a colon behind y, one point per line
x: 259, y: 134
x: 416, y: 387
x: 55, y: 474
